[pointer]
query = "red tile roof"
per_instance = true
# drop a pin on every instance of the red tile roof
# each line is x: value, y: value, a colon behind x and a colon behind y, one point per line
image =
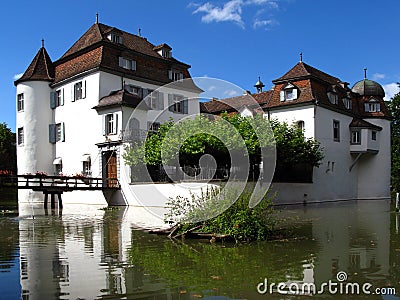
x: 94, y: 50
x: 302, y: 70
x: 356, y: 122
x: 235, y: 103
x: 122, y: 97
x: 41, y: 68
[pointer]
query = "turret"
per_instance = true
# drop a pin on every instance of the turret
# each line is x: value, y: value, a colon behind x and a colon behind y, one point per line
x: 34, y: 152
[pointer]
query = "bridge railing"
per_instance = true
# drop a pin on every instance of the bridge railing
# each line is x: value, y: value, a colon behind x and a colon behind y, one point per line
x: 40, y: 182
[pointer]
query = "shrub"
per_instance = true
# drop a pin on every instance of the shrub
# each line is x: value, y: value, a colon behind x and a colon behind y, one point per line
x: 237, y: 220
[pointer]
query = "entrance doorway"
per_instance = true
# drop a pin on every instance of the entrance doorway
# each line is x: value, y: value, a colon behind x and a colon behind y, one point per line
x: 110, y: 168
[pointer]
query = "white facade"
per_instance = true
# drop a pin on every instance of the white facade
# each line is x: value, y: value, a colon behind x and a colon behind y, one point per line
x: 341, y: 175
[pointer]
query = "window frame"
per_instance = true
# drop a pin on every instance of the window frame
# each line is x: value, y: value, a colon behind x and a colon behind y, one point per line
x: 79, y: 90
x: 110, y: 124
x: 288, y: 93
x: 153, y: 126
x: 175, y: 75
x: 348, y: 104
x: 87, y: 168
x: 372, y: 106
x: 355, y: 137
x: 178, y: 104
x: 20, y: 136
x: 374, y: 135
x: 20, y: 102
x: 336, y: 131
x: 333, y: 98
x: 127, y: 63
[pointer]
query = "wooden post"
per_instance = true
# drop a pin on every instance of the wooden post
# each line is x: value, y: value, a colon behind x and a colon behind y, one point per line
x: 46, y: 199
x: 53, y: 204
x: 60, y: 204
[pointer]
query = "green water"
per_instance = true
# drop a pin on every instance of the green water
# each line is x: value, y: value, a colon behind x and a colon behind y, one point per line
x: 87, y: 253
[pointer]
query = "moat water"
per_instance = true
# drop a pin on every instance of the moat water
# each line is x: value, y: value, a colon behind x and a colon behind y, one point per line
x: 84, y: 252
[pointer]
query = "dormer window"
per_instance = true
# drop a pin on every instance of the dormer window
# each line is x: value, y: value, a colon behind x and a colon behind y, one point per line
x: 164, y: 50
x: 126, y: 63
x: 115, y: 38
x: 372, y: 106
x: 165, y: 53
x: 333, y: 97
x: 175, y: 75
x: 288, y: 93
x: 347, y: 103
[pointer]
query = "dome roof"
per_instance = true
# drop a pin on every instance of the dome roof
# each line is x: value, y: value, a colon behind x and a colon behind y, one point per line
x: 368, y: 87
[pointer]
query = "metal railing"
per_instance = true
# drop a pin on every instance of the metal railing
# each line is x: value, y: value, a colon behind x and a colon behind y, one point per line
x: 62, y: 183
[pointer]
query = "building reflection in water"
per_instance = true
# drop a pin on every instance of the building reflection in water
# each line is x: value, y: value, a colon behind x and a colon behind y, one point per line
x: 87, y: 253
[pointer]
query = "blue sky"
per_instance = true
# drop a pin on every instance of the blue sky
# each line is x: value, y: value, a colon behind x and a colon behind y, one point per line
x: 233, y: 40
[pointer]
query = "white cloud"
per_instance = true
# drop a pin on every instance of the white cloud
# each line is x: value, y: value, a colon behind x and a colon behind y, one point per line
x: 230, y: 93
x: 18, y: 76
x: 231, y: 11
x: 391, y: 89
x: 263, y: 23
x: 378, y: 76
x: 212, y: 88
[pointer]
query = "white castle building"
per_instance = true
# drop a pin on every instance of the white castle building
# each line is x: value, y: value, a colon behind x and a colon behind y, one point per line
x: 352, y: 125
x: 73, y: 113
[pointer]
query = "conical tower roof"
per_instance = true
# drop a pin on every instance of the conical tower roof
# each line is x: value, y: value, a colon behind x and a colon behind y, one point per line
x: 40, y: 69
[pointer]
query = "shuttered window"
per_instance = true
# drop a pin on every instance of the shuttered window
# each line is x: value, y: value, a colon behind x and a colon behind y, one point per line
x: 154, y: 99
x: 79, y: 90
x: 57, y: 133
x: 57, y: 98
x: 20, y: 136
x: 177, y: 104
x: 126, y: 63
x: 110, y: 124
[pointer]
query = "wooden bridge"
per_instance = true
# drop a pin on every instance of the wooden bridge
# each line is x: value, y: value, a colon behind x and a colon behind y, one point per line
x: 57, y: 185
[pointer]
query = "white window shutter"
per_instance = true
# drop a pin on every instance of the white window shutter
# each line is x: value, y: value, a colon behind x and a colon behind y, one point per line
x: 62, y: 132
x: 378, y: 107
x: 170, y: 102
x: 115, y: 123
x: 53, y: 100
x: 103, y: 121
x: 180, y: 76
x: 84, y: 89
x: 134, y: 65
x: 62, y: 97
x: 121, y: 61
x: 282, y: 95
x: 73, y: 92
x: 170, y: 74
x: 185, y: 106
x: 366, y: 107
x: 52, y: 133
x: 294, y: 93
x: 160, y: 102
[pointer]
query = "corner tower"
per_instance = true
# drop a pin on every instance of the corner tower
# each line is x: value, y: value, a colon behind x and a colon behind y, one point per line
x: 374, y: 166
x: 34, y: 115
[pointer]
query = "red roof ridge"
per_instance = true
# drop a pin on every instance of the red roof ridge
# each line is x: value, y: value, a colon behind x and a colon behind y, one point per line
x: 301, y: 70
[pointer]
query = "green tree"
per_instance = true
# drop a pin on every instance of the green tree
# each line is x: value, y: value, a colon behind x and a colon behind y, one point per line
x: 191, y: 138
x: 394, y: 108
x: 8, y: 156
